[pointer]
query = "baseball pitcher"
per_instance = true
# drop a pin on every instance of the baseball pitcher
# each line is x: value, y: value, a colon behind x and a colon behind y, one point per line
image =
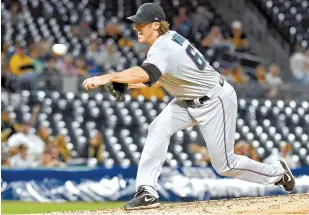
x: 202, y: 97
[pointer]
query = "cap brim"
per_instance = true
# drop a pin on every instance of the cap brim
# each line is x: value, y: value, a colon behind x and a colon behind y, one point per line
x: 137, y: 20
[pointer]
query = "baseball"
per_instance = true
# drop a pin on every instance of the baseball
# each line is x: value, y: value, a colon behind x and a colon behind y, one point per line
x: 59, y: 49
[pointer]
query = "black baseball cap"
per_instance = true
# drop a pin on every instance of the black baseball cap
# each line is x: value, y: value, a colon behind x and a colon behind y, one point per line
x: 147, y: 13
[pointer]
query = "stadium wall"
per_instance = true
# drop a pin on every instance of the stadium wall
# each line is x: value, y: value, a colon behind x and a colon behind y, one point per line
x: 118, y: 184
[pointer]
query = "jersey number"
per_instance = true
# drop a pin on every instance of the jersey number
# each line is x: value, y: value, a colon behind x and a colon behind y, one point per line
x: 197, y: 59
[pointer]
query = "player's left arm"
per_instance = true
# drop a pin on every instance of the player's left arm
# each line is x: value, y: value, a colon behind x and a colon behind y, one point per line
x: 130, y: 76
x: 133, y: 75
x: 148, y: 73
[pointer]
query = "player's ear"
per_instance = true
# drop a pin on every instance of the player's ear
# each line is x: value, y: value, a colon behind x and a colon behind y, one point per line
x: 156, y: 25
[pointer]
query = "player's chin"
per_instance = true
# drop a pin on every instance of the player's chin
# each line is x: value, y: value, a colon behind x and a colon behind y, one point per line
x: 141, y: 39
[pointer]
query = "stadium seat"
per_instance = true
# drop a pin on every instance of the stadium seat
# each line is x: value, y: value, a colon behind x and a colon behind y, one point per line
x: 125, y: 125
x: 290, y: 17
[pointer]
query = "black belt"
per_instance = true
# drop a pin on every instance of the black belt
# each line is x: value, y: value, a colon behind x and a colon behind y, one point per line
x: 203, y: 99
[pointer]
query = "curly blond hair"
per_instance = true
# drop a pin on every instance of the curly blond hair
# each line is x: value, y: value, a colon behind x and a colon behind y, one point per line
x: 164, y: 27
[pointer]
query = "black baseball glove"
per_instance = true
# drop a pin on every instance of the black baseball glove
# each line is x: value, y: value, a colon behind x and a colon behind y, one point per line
x: 117, y: 90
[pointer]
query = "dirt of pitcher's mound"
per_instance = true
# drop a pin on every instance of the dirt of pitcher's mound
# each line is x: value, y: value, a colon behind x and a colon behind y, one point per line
x: 286, y: 204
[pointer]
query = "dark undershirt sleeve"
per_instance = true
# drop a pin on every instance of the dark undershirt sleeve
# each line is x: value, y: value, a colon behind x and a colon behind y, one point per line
x: 153, y: 72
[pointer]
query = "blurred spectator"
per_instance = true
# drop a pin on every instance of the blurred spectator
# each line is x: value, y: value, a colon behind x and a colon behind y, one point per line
x: 21, y: 66
x: 112, y: 30
x: 43, y: 133
x: 4, y: 59
x: 93, y: 69
x: 22, y: 159
x: 4, y: 156
x: 286, y: 153
x: 244, y: 148
x: 46, y: 158
x: 85, y: 29
x: 238, y: 76
x: 214, y: 38
x: 260, y: 75
x: 7, y: 79
x: 201, y: 19
x: 19, y: 137
x: 238, y: 37
x: 11, y: 50
x: 37, y: 62
x: 75, y: 30
x: 82, y: 30
x: 299, y: 64
x: 272, y: 77
x: 51, y: 78
x: 95, y: 53
x: 94, y: 154
x: 181, y: 22
x: 8, y: 128
x: 16, y: 13
x: 20, y: 63
x: 111, y: 58
x: 44, y: 48
x: 67, y: 66
x: 34, y: 143
x: 202, y: 150
x: 81, y: 66
x: 65, y: 153
x: 52, y: 158
x: 35, y: 113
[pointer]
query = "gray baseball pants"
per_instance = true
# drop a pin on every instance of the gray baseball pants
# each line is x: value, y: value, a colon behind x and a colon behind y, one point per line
x: 216, y: 119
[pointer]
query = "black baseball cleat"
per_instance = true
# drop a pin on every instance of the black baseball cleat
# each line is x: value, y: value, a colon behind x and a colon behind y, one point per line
x: 142, y: 200
x: 288, y: 180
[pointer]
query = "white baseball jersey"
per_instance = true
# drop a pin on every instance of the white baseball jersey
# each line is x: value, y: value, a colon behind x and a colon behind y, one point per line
x: 186, y: 74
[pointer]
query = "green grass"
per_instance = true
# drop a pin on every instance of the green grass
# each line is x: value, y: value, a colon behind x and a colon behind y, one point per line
x: 15, y: 207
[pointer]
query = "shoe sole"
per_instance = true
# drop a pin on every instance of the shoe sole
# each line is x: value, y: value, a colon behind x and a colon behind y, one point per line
x: 155, y: 205
x: 289, y: 171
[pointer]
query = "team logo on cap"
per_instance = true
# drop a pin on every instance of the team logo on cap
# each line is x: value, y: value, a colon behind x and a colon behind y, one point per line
x: 140, y: 11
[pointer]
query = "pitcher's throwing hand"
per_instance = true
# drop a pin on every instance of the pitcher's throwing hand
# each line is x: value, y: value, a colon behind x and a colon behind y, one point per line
x: 96, y: 81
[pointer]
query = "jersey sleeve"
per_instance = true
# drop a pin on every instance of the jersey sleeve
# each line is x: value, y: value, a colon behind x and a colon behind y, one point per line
x: 162, y: 59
